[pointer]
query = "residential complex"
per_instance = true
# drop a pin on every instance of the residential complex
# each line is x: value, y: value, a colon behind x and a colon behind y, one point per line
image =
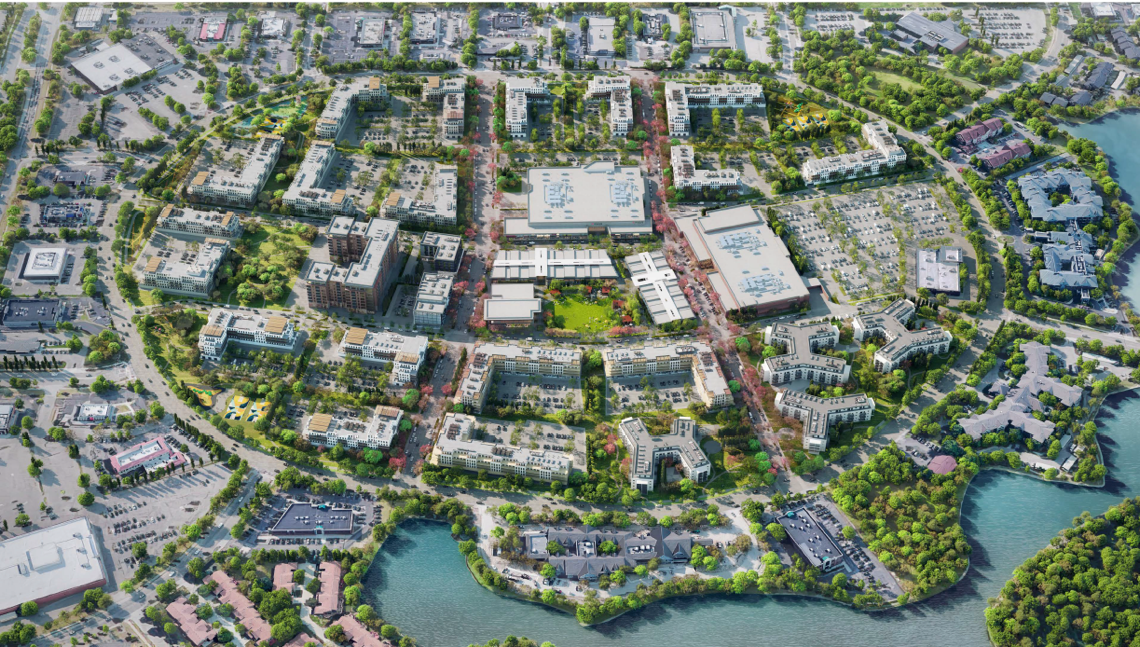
x: 819, y: 414
x: 224, y: 326
x: 884, y: 155
x: 980, y: 132
x: 937, y: 269
x: 687, y: 176
x: 512, y: 305
x: 695, y: 358
x: 197, y: 631
x: 449, y: 93
x: 1023, y: 400
x: 577, y: 557
x: 192, y: 275
x: 659, y: 288
x: 340, y: 106
x: 545, y: 264
x: 616, y: 90
x: 488, y: 359
x: 244, y: 611
x: 573, y: 203
x: 442, y: 209
x: 1070, y: 263
x: 646, y: 451
x: 900, y: 344
x: 241, y: 186
x: 432, y: 299
x: 680, y: 98
x: 799, y: 360
x: 194, y: 223
x: 50, y: 564
x: 1083, y: 203
x: 520, y: 93
x: 305, y: 195
x: 457, y: 447
x: 369, y: 250
x: 747, y: 264
x: 377, y: 431
x: 328, y: 599
x: 441, y: 252
x: 405, y: 353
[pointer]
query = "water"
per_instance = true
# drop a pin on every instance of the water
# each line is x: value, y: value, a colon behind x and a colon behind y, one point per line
x: 420, y: 583
x: 1117, y: 133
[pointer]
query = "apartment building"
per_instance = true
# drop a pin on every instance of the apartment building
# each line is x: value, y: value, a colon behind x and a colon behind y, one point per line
x: 405, y: 353
x: 616, y: 90
x: 193, y: 223
x: 442, y: 209
x: 250, y: 329
x: 799, y: 361
x: 193, y: 275
x: 449, y: 93
x: 819, y: 414
x: 338, y: 111
x: 488, y: 359
x: 901, y: 344
x: 305, y: 195
x: 369, y: 252
x: 441, y: 252
x: 239, y: 187
x: 680, y: 98
x: 520, y: 94
x: 432, y: 299
x: 696, y: 358
x: 884, y: 154
x: 376, y: 431
x: 980, y: 132
x: 686, y: 175
x: 646, y: 451
x: 457, y: 447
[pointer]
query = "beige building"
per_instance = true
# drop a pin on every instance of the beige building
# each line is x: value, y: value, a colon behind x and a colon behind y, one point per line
x: 457, y: 448
x: 242, y: 186
x: 695, y: 358
x: 900, y: 344
x: 489, y: 359
x: 338, y: 110
x: 819, y: 414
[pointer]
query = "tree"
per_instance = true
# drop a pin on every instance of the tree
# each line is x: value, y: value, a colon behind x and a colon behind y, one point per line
x: 166, y: 591
x: 29, y: 609
x: 777, y: 531
x: 86, y: 499
x: 138, y: 549
x: 197, y: 567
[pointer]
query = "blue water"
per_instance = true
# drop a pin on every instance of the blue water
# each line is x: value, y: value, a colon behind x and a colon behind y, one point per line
x: 420, y: 584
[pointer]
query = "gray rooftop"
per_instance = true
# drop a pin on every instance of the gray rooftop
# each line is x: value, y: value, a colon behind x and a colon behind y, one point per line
x: 577, y: 198
x: 1084, y: 203
x: 548, y: 263
x: 938, y: 269
x: 658, y: 286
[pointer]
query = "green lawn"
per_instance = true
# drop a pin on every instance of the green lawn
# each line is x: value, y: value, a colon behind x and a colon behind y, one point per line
x: 883, y: 76
x: 259, y: 247
x: 585, y: 316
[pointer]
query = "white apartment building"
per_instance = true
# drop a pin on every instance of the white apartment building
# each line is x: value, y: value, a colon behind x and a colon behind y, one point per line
x: 250, y: 329
x: 405, y: 353
x: 193, y: 277
x: 242, y: 187
x: 520, y: 92
x: 695, y: 358
x: 885, y: 154
x: 488, y: 359
x: 432, y: 299
x: 443, y: 208
x: 901, y: 344
x: 450, y: 94
x: 680, y: 98
x: 378, y: 431
x: 194, y: 223
x: 646, y: 451
x: 799, y: 360
x: 457, y: 448
x: 338, y: 110
x: 819, y: 414
x: 616, y: 90
x: 305, y: 195
x: 686, y: 175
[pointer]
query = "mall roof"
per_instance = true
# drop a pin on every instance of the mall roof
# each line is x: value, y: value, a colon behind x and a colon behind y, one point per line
x: 106, y: 69
x: 659, y: 288
x: 572, y: 199
x: 548, y: 263
x: 44, y: 564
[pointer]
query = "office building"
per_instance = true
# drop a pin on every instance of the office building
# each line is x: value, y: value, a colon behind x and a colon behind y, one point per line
x: 305, y: 195
x: 371, y: 33
x: 432, y: 299
x: 342, y: 104
x: 818, y: 414
x: 441, y: 252
x: 32, y: 313
x: 680, y: 98
x: 405, y: 353
x: 687, y: 177
x: 91, y: 413
x: 646, y: 451
x: 577, y: 557
x: 915, y: 33
x: 377, y: 431
x: 106, y: 69
x: 89, y: 18
x: 50, y: 564
x: 614, y: 89
x: 695, y: 358
x: 884, y: 155
x: 370, y: 252
x: 574, y: 203
x: 812, y: 539
x: 900, y: 344
x: 249, y: 329
x: 1083, y: 204
x: 457, y: 447
x: 198, y: 224
x: 658, y: 287
x: 747, y: 264
x: 192, y: 275
x: 599, y: 36
x: 488, y: 359
x: 440, y: 209
x: 937, y: 269
x: 713, y: 28
x: 512, y: 305
x: 521, y: 92
x: 8, y: 417
x: 799, y: 360
x: 44, y: 264
x: 146, y: 456
x: 273, y: 25
x: 545, y: 264
x: 238, y: 186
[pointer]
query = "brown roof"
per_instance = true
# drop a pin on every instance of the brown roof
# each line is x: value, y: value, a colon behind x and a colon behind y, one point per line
x: 227, y: 218
x: 355, y: 336
x: 433, y: 82
x: 320, y: 422
x: 243, y: 608
x: 338, y: 196
x: 213, y: 330
x: 387, y: 412
x: 374, y: 83
x: 358, y: 634
x: 275, y: 325
x: 195, y: 629
x: 328, y: 599
x: 392, y: 199
x: 166, y: 211
x: 153, y: 263
x: 200, y: 178
x: 283, y: 576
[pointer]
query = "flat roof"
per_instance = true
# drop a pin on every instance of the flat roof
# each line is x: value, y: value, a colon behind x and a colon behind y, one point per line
x: 511, y: 303
x: 938, y: 269
x: 107, y: 68
x: 548, y: 263
x: 575, y: 198
x: 31, y: 310
x: 308, y: 517
x: 659, y: 288
x: 44, y: 263
x: 42, y: 564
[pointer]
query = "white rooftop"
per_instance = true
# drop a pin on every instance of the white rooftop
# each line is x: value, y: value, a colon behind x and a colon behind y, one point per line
x: 47, y: 562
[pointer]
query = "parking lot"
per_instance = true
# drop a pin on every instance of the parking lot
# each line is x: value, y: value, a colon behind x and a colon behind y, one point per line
x: 1018, y: 30
x: 69, y: 283
x: 551, y: 393
x: 650, y: 391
